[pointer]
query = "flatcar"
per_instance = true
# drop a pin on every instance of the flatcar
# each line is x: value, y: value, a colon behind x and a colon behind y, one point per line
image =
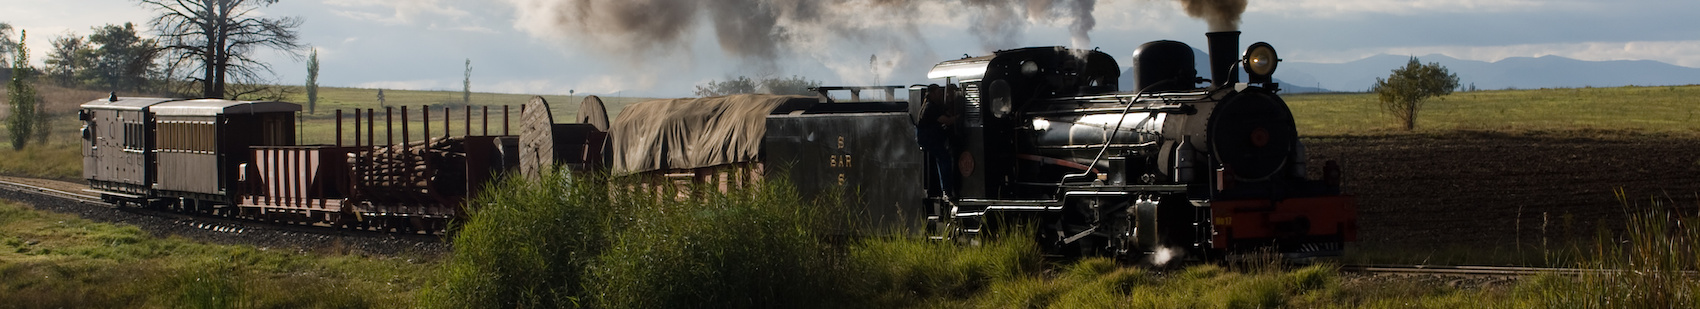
x: 241, y: 159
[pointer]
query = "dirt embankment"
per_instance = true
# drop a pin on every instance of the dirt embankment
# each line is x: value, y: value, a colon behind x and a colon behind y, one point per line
x: 1497, y: 189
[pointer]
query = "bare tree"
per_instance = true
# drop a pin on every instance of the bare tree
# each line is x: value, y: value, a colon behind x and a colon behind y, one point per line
x: 6, y: 44
x: 212, y: 41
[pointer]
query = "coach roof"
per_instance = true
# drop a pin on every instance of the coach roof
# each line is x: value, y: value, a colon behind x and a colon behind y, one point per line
x: 214, y: 107
x: 125, y: 103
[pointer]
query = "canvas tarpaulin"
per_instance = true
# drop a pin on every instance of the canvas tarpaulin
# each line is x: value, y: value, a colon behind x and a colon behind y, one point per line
x: 691, y: 133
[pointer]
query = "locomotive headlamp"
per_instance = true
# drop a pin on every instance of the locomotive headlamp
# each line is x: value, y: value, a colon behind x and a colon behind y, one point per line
x: 1260, y: 60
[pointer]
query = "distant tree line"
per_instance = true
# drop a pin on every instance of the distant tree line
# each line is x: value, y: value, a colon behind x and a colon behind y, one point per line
x: 794, y: 85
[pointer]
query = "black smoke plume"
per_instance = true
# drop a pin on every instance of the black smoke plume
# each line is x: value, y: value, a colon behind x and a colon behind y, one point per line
x: 1223, y: 15
x: 763, y: 30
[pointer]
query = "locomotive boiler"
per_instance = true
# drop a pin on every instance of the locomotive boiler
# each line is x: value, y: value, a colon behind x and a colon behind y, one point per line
x: 1178, y: 166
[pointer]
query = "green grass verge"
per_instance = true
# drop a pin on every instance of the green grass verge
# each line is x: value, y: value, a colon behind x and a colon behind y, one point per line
x: 50, y: 260
x: 566, y: 241
x: 1662, y: 109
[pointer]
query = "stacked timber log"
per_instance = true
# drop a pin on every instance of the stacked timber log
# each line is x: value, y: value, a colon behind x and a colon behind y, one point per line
x: 417, y: 171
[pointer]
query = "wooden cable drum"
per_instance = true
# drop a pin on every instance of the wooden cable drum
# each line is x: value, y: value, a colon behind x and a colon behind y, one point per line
x: 536, y: 138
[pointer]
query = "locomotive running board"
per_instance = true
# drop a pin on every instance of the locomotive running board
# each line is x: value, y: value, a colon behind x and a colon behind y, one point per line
x: 987, y: 205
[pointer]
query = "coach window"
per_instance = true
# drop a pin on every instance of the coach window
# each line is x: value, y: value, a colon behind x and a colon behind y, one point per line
x: 133, y: 136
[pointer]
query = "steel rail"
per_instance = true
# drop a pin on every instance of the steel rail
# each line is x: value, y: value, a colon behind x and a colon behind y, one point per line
x: 85, y: 198
x: 1487, y: 270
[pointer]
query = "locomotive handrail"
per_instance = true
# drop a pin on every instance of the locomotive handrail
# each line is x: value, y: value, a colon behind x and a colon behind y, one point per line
x: 1112, y: 136
x: 1145, y: 144
x: 1121, y: 188
x: 1177, y: 108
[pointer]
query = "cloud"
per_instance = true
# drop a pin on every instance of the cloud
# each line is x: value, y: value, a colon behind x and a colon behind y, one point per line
x: 1334, y: 8
x: 422, y: 84
x: 434, y: 14
x: 1683, y: 53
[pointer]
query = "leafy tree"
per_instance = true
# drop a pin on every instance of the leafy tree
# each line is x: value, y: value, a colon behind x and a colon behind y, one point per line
x: 794, y: 85
x: 466, y: 90
x: 69, y: 57
x: 1403, y: 92
x: 212, y: 41
x: 21, y: 96
x: 313, y: 81
x: 122, y: 59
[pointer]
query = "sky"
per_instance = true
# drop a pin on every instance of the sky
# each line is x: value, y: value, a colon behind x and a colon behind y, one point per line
x: 663, y: 48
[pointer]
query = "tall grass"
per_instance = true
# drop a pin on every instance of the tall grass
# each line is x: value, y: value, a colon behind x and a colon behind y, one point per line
x: 1652, y: 263
x: 905, y: 269
x: 50, y: 260
x: 574, y: 240
x: 1658, y: 110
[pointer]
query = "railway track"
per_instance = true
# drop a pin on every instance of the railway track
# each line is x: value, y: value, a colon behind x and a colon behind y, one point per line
x: 213, y: 223
x: 1483, y: 270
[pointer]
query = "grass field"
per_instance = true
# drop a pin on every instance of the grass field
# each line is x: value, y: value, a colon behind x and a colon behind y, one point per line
x: 1659, y: 110
x: 51, y: 260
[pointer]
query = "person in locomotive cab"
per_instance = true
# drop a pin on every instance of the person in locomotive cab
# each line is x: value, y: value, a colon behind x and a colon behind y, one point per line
x: 933, y: 132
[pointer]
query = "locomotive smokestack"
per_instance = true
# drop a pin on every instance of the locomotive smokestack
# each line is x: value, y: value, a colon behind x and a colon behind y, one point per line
x: 1224, y: 51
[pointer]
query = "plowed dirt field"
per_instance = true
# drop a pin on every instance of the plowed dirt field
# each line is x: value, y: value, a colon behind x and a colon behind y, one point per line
x: 1486, y: 189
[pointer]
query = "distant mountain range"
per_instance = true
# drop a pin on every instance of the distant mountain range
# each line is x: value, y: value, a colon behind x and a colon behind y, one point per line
x: 1514, y: 72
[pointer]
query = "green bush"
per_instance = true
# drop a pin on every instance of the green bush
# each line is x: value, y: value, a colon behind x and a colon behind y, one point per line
x: 588, y: 240
x: 527, y: 244
x: 755, y: 247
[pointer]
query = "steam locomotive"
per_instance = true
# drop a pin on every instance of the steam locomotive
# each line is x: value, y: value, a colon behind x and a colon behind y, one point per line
x: 1176, y: 167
